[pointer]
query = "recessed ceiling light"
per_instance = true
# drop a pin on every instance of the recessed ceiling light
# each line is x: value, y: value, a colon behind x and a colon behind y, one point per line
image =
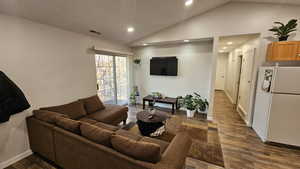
x: 130, y: 29
x: 221, y: 51
x: 186, y: 40
x: 188, y: 2
x: 229, y: 43
x: 224, y: 47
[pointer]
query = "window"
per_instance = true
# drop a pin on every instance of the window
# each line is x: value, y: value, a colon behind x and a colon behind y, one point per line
x: 112, y: 79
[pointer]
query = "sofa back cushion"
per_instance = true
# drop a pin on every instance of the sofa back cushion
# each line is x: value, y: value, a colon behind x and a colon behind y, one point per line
x: 74, y: 110
x: 92, y: 104
x: 96, y: 134
x: 47, y: 116
x: 139, y: 150
x: 68, y: 124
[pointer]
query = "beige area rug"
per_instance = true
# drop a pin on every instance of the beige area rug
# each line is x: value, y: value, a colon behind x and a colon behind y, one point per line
x: 205, y: 140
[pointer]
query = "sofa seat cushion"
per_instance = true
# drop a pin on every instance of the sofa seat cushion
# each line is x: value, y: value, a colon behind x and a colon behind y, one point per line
x: 128, y: 134
x: 68, y: 124
x: 74, y: 110
x: 47, y: 116
x: 140, y: 150
x: 106, y: 126
x: 110, y: 114
x: 96, y: 134
x: 163, y: 144
x: 92, y: 104
x: 88, y: 120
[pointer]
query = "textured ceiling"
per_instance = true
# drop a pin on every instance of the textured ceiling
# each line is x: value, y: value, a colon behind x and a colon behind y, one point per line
x: 112, y: 17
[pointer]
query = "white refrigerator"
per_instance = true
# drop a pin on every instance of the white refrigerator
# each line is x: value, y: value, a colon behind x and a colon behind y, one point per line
x: 277, y: 106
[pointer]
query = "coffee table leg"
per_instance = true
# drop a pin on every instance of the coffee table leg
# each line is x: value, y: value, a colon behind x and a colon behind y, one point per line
x: 143, y: 104
x: 173, y: 109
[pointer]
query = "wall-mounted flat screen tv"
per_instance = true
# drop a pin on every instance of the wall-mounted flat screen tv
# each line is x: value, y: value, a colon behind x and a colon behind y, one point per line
x: 164, y: 66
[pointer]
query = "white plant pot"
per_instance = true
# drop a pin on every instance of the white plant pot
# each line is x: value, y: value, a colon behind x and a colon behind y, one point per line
x: 190, y: 113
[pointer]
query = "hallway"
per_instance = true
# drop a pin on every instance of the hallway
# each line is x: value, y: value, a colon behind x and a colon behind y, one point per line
x: 242, y: 149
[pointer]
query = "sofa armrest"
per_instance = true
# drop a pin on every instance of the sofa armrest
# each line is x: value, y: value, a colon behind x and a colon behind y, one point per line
x: 175, y: 154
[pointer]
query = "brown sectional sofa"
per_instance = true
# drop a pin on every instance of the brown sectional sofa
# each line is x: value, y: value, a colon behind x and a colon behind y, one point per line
x: 58, y: 138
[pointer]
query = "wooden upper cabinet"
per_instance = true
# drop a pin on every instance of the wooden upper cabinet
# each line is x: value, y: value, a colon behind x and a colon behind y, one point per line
x: 284, y: 51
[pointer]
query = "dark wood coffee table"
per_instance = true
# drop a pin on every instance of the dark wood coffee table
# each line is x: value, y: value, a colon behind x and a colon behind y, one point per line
x: 148, y: 126
x: 167, y: 100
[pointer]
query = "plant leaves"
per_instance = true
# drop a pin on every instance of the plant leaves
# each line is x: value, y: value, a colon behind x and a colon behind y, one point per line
x: 284, y: 30
x: 279, y: 23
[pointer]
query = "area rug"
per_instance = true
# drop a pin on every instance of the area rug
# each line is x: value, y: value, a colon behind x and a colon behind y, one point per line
x: 205, y: 140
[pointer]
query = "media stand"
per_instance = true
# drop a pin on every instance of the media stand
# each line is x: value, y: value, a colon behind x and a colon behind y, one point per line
x: 167, y: 100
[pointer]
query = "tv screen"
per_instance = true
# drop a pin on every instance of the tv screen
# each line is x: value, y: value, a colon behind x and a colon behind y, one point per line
x: 164, y: 66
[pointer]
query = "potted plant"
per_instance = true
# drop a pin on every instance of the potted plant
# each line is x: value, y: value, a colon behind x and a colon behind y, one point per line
x: 202, y: 104
x: 283, y: 31
x: 132, y: 99
x: 137, y: 61
x: 189, y: 103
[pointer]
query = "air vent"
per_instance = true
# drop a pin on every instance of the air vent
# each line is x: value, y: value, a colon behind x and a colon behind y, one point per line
x: 95, y: 32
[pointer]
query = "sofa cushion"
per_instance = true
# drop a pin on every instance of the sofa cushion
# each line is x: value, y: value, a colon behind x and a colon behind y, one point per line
x: 87, y: 120
x: 139, y: 150
x: 92, y: 104
x: 106, y: 126
x: 163, y: 144
x: 74, y: 110
x: 68, y: 124
x: 47, y: 116
x: 96, y: 134
x: 128, y: 134
x: 110, y: 114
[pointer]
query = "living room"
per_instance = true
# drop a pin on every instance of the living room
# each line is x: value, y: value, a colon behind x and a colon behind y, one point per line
x: 51, y: 58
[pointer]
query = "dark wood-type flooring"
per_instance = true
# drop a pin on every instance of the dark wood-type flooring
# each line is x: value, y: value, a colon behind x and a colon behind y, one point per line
x: 242, y: 149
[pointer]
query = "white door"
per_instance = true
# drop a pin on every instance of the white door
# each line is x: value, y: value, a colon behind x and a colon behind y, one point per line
x: 222, y: 61
x: 284, y: 118
x: 112, y: 79
x: 246, y: 80
x: 287, y: 80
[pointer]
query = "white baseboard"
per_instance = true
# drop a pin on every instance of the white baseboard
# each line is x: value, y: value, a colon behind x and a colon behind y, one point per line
x: 229, y: 97
x: 15, y: 159
x: 209, y: 118
x: 243, y: 114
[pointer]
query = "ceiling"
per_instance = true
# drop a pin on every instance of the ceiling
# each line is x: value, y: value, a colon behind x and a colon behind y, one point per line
x: 113, y: 17
x: 236, y: 42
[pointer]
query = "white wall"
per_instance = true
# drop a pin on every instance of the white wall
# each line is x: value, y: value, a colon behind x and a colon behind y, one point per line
x: 194, y: 61
x: 52, y: 66
x: 221, y: 72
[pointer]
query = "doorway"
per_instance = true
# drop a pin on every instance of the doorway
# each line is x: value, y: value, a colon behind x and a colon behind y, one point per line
x: 239, y: 52
x: 112, y: 79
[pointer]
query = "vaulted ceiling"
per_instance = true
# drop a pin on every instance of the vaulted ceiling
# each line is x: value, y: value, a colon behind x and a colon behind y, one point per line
x: 113, y: 17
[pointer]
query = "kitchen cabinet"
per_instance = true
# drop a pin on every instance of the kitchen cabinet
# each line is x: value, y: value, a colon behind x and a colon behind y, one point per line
x: 284, y: 51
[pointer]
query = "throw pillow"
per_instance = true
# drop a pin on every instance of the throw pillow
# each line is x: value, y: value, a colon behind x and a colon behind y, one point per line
x: 47, y: 116
x: 96, y: 134
x: 68, y: 124
x: 139, y: 150
x: 92, y: 104
x: 74, y: 110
